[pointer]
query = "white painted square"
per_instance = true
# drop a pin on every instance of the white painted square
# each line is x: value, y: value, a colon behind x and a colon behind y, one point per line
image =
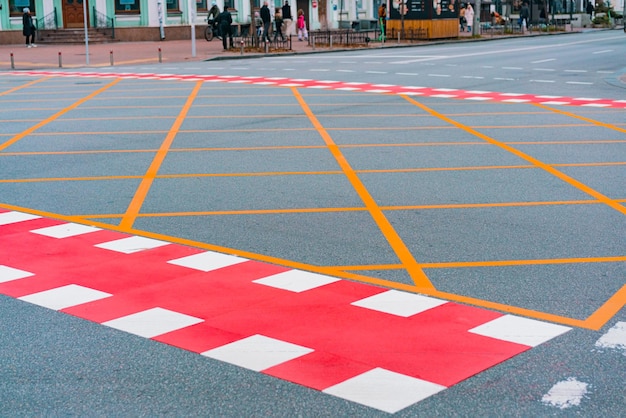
x: 257, y: 352
x: 384, y: 390
x: 132, y: 244
x: 208, y: 261
x: 65, y: 230
x: 615, y: 338
x: 296, y: 280
x: 520, y: 330
x: 9, y: 273
x: 399, y: 303
x: 7, y: 218
x: 65, y: 296
x: 153, y: 322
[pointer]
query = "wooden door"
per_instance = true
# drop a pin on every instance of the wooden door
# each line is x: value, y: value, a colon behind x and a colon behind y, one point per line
x: 73, y: 14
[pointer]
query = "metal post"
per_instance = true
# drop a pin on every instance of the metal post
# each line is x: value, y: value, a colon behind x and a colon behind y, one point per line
x: 12, y: 62
x: 242, y: 44
x: 85, y: 6
x: 111, y: 57
x: 60, y: 60
x: 160, y: 56
x: 267, y: 47
x: 330, y: 37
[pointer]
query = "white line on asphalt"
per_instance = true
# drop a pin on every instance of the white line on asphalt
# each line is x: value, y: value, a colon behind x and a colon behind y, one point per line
x: 575, y: 71
x: 546, y: 60
x: 541, y: 81
x: 376, y: 72
x: 503, y: 79
x: 605, y: 72
x: 604, y: 51
x: 578, y: 82
x: 543, y: 69
x: 471, y: 76
x: 319, y: 69
x: 439, y: 75
x: 407, y: 73
x: 346, y: 71
x: 512, y: 68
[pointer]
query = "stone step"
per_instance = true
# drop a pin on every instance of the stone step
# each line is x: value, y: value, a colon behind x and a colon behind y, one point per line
x: 75, y: 36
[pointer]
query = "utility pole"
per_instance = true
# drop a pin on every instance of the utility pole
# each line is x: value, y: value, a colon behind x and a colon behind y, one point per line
x: 476, y: 22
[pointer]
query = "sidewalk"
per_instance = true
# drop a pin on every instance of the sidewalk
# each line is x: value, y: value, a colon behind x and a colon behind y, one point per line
x: 124, y: 53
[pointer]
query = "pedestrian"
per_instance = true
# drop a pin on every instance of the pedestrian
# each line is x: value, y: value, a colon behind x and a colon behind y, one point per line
x: 382, y: 19
x: 590, y: 9
x: 462, y: 21
x: 524, y: 14
x: 301, y: 25
x: 266, y: 17
x: 29, y: 28
x: 225, y: 21
x: 288, y: 19
x: 278, y: 22
x: 469, y: 16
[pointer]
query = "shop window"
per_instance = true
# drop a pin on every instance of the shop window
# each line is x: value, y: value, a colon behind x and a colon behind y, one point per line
x: 16, y: 7
x: 127, y: 7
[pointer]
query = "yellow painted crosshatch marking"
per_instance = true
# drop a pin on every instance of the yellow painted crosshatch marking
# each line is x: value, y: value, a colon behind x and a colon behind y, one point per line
x: 416, y: 269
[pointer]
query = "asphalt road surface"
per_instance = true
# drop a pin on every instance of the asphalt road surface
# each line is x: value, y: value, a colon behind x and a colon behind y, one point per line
x: 425, y: 231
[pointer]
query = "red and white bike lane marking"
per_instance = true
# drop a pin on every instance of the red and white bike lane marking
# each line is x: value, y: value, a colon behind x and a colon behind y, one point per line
x: 476, y: 95
x: 382, y: 348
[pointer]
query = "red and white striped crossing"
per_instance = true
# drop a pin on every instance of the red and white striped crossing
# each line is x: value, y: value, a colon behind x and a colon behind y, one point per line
x: 475, y: 95
x: 378, y: 347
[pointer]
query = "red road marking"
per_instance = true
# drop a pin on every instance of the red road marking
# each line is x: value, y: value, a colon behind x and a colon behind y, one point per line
x: 339, y: 85
x: 347, y: 340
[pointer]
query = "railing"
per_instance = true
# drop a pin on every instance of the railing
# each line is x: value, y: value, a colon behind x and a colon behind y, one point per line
x: 257, y: 43
x: 344, y: 38
x: 100, y: 20
x: 49, y: 21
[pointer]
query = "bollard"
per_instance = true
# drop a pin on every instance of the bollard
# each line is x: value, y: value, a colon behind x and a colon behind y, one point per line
x: 12, y: 62
x: 242, y: 43
x: 60, y: 60
x: 267, y: 47
x: 330, y: 45
x: 111, y: 57
x: 160, y: 56
x: 398, y: 38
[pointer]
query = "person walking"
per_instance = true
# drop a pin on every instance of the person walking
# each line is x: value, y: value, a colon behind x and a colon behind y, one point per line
x: 266, y: 17
x: 29, y: 28
x: 382, y: 20
x: 524, y: 14
x: 469, y: 17
x: 590, y: 9
x: 278, y: 21
x: 288, y: 19
x: 462, y: 21
x: 225, y: 21
x: 301, y: 25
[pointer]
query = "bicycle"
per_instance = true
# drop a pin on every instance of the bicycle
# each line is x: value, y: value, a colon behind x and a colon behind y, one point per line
x: 211, y: 30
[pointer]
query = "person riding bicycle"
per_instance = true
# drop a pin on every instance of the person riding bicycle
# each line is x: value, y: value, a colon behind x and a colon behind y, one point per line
x: 212, y: 20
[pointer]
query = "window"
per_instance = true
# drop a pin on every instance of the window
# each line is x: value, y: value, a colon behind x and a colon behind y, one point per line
x: 172, y: 6
x: 201, y: 5
x: 16, y: 7
x: 127, y: 7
